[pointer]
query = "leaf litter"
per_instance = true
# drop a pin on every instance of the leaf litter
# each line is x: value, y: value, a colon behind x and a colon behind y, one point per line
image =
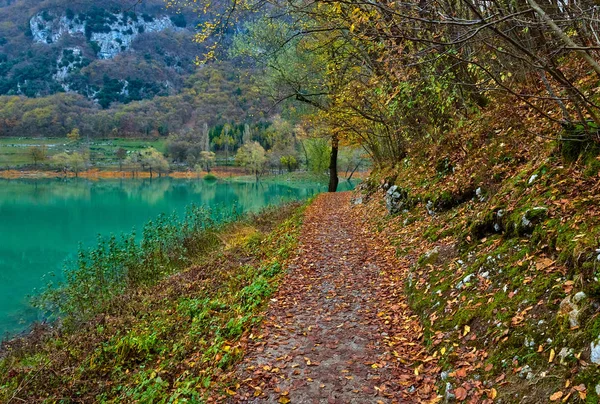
x: 339, y: 329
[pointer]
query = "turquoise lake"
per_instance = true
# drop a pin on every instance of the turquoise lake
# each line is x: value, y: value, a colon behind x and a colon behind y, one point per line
x: 42, y: 222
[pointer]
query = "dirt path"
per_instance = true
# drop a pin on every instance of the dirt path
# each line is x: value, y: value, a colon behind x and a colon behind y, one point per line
x: 338, y: 330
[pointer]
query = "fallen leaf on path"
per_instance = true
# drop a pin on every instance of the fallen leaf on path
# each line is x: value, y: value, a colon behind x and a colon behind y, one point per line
x: 556, y: 396
x: 460, y: 393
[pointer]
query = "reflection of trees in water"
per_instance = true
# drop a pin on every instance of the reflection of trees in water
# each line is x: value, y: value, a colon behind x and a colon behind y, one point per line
x: 43, y: 191
x: 149, y: 190
x: 205, y: 192
x: 255, y: 195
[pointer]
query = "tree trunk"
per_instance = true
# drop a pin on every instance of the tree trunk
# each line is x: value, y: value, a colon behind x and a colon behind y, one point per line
x: 353, y: 171
x: 305, y: 154
x: 333, y: 172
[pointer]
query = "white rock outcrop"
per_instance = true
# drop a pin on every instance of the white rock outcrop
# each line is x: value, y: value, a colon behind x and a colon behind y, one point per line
x: 63, y: 70
x: 123, y: 30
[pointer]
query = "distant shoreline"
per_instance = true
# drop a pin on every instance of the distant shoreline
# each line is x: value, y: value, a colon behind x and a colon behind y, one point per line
x: 219, y: 172
x: 93, y: 174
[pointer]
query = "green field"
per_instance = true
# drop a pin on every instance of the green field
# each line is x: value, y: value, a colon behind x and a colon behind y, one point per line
x: 14, y: 152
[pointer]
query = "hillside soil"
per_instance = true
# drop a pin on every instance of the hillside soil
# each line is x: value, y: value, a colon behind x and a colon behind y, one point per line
x: 339, y: 329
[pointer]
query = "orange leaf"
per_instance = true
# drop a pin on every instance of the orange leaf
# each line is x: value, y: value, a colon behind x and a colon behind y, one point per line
x: 460, y: 393
x: 556, y: 396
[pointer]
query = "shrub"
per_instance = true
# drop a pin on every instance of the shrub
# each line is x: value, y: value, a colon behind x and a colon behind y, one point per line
x: 115, y: 265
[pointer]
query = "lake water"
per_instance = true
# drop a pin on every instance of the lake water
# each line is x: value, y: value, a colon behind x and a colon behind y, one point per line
x: 43, y: 221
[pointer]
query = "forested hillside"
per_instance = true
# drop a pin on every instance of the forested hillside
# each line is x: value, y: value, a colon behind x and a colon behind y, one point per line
x: 107, y: 51
x: 215, y: 94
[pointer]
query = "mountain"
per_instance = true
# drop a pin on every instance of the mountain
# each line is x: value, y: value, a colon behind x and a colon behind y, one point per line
x: 107, y: 51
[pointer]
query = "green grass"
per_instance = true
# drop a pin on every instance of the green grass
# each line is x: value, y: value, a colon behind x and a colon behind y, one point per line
x: 14, y: 152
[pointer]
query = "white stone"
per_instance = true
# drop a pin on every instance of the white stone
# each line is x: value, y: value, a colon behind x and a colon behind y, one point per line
x: 571, y: 310
x: 564, y: 354
x: 524, y: 371
x: 465, y: 280
x: 579, y: 296
x: 429, y: 207
x: 532, y: 178
x: 595, y: 355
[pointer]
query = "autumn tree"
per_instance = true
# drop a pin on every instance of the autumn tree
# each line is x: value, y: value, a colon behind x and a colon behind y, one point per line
x: 74, y: 135
x: 153, y: 161
x: 252, y: 157
x: 74, y: 162
x: 297, y: 68
x: 133, y: 162
x: 225, y: 142
x: 38, y: 154
x: 207, y: 160
x: 389, y: 74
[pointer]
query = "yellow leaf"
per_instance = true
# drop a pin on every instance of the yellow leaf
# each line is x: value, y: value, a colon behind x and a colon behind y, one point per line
x: 556, y: 396
x: 443, y: 350
x: 283, y: 400
x: 493, y: 393
x: 467, y: 330
x: 552, y: 355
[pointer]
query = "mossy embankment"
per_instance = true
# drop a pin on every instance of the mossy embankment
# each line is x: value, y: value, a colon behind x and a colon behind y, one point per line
x: 173, y: 339
x: 501, y: 234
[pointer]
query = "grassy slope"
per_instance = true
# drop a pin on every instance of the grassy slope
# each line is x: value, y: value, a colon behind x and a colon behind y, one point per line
x: 505, y: 318
x: 174, y: 342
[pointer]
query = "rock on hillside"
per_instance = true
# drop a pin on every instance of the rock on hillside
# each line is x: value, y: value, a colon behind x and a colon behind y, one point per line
x: 111, y: 33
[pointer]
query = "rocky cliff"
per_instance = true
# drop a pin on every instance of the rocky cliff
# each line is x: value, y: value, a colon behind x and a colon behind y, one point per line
x: 109, y: 33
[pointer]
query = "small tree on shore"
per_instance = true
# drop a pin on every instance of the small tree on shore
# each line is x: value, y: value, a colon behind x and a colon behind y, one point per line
x: 154, y: 161
x: 132, y: 162
x: 207, y: 160
x: 121, y: 155
x: 74, y: 162
x: 252, y: 157
x: 38, y: 154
